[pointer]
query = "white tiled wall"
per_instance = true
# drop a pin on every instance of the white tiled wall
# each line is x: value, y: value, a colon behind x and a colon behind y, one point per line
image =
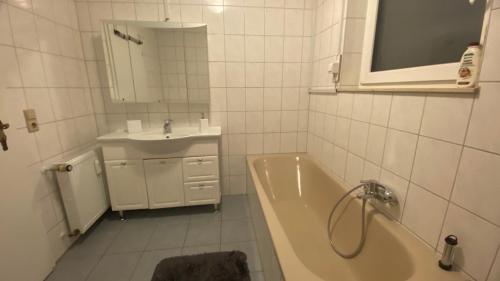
x: 327, y: 39
x: 440, y: 153
x: 259, y: 61
x: 41, y: 64
x: 259, y: 53
x: 111, y: 116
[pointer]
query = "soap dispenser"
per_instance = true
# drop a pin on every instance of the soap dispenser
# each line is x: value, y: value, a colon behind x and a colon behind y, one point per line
x: 203, y: 124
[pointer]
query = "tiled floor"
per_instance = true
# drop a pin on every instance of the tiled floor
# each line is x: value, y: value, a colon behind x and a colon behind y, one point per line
x: 129, y: 250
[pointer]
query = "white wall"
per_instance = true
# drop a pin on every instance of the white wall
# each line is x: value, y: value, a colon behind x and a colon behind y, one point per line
x: 42, y: 66
x: 441, y: 153
x: 259, y: 61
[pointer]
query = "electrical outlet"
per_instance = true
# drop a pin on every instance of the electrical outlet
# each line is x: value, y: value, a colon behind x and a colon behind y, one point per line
x: 31, y: 120
x: 334, y: 68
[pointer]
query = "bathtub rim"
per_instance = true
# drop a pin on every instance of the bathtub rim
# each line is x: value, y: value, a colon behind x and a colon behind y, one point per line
x: 293, y: 268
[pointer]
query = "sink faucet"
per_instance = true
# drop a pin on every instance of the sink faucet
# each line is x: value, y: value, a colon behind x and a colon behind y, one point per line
x: 167, y: 126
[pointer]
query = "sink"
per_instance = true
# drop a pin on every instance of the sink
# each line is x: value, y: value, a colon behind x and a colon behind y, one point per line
x: 158, y: 135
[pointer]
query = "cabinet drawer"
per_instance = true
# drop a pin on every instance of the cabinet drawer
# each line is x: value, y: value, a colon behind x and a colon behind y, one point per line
x: 207, y: 192
x: 200, y: 168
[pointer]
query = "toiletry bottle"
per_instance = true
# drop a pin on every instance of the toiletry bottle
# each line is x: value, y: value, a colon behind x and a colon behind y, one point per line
x: 469, y: 66
x: 203, y: 124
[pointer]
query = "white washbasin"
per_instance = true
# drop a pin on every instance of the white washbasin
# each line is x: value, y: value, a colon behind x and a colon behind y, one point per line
x: 155, y: 136
x: 158, y: 135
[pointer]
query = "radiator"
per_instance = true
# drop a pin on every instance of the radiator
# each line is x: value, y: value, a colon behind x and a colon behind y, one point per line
x: 83, y: 191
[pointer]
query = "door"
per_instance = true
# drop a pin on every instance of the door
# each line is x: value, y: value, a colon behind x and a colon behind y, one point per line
x: 164, y: 181
x: 24, y: 247
x: 127, y: 188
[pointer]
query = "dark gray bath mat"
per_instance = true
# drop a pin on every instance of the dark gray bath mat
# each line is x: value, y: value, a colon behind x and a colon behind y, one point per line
x: 220, y: 266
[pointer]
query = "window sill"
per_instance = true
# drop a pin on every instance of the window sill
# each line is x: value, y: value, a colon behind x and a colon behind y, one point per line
x: 354, y: 89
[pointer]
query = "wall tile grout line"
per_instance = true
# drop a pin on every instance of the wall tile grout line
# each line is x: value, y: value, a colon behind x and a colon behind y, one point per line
x: 457, y: 171
x: 417, y: 134
x: 414, y: 159
x: 490, y: 271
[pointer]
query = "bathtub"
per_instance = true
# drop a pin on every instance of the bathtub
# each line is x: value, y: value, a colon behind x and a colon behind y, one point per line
x: 294, y: 196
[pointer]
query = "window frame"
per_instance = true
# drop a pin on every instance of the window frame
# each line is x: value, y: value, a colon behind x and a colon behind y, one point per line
x: 438, y: 75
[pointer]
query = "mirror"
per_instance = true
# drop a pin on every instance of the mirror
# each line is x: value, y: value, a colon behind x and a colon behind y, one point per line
x: 149, y: 62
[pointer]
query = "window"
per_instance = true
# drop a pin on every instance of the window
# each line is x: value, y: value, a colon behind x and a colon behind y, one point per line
x: 418, y: 41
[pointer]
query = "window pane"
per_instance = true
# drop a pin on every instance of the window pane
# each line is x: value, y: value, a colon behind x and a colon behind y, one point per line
x: 414, y: 33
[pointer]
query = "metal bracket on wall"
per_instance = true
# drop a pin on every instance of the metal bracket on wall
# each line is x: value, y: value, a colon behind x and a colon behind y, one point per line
x: 127, y: 37
x: 3, y: 136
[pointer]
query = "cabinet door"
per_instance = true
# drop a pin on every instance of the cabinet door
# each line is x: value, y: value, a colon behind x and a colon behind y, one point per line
x: 137, y: 60
x: 127, y: 187
x: 164, y: 181
x: 119, y: 63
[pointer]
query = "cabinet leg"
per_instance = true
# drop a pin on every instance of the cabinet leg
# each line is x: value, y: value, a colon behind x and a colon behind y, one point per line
x: 122, y: 215
x: 216, y: 207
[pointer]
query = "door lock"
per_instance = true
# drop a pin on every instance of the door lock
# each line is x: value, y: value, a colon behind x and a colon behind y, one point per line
x: 3, y: 136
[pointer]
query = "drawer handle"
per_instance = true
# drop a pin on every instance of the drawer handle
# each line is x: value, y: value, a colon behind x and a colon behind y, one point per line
x: 163, y: 162
x: 200, y: 187
x: 200, y: 161
x: 123, y: 163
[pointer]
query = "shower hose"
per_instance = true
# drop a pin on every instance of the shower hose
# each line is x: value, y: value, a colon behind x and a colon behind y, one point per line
x: 329, y: 230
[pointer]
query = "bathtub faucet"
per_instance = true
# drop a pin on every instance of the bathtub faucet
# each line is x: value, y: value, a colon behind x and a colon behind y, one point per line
x: 372, y: 189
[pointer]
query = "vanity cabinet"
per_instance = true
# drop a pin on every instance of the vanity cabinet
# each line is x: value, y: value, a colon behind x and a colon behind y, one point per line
x: 164, y: 174
x: 127, y: 184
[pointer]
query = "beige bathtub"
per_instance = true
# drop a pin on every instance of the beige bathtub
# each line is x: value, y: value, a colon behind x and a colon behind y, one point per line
x: 296, y: 196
